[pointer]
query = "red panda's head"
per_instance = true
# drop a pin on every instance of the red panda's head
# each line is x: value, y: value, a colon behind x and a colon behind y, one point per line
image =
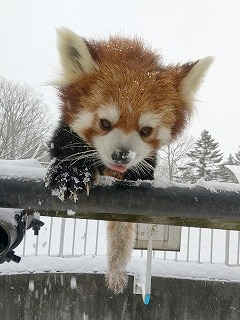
x: 119, y: 97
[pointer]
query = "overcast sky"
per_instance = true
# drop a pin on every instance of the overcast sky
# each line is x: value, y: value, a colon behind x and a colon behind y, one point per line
x: 181, y: 30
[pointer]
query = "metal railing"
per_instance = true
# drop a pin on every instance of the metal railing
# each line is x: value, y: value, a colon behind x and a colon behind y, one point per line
x: 197, y: 208
x: 74, y: 237
x: 181, y: 205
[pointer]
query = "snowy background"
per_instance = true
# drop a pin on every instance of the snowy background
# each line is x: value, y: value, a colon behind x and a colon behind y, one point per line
x: 181, y: 30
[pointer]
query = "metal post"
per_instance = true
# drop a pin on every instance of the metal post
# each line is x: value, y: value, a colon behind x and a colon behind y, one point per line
x: 61, y: 245
x: 227, y: 243
x: 146, y: 290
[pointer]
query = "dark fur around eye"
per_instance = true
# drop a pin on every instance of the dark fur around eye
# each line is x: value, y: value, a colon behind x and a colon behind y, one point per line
x: 105, y: 124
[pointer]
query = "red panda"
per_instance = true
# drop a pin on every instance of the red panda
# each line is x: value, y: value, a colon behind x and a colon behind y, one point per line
x: 119, y: 105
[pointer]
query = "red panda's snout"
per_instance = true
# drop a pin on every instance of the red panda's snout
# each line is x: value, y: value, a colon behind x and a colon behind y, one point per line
x: 120, y: 151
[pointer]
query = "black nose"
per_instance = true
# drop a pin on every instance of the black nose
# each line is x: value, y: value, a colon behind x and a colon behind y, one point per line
x: 121, y: 156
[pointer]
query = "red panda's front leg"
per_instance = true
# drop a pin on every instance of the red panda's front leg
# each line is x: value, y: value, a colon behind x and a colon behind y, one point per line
x: 73, y: 170
x: 121, y: 238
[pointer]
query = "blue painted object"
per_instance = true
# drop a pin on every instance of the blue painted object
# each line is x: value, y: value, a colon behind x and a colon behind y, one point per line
x: 147, y: 299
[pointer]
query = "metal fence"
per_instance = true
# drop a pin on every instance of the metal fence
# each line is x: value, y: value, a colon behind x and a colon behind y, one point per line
x: 74, y: 237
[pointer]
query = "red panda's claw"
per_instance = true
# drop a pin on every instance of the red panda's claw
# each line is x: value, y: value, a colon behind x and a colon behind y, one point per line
x: 68, y: 182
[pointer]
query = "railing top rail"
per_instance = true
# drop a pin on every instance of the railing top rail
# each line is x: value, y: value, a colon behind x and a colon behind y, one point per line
x: 127, y: 201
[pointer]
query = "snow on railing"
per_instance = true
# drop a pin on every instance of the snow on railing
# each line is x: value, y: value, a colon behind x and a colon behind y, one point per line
x: 204, y: 204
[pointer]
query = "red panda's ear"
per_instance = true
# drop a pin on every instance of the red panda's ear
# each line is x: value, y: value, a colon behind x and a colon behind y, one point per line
x: 192, y: 75
x: 75, y: 57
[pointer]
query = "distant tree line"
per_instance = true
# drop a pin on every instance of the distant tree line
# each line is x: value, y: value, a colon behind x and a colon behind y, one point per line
x: 186, y: 161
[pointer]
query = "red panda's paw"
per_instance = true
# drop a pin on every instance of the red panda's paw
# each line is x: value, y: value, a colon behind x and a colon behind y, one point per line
x: 70, y: 182
x: 116, y: 281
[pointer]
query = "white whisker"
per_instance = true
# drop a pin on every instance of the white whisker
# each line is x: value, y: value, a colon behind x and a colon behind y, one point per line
x: 143, y: 166
x: 79, y: 156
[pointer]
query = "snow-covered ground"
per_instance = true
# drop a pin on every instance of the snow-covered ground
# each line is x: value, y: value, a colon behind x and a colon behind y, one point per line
x: 137, y: 265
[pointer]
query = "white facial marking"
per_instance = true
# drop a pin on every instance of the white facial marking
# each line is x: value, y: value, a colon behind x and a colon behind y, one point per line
x: 164, y: 135
x: 83, y: 121
x: 117, y: 139
x: 109, y: 112
x: 150, y: 119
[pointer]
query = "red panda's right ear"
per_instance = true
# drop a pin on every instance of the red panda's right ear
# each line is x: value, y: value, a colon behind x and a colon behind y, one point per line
x: 75, y: 57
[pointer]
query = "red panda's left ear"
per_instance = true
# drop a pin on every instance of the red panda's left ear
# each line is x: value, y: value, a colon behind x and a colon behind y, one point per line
x: 75, y: 57
x: 192, y: 77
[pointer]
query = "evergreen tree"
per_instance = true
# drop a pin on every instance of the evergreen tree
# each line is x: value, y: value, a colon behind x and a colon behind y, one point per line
x: 204, y: 160
x: 231, y: 160
x: 237, y: 157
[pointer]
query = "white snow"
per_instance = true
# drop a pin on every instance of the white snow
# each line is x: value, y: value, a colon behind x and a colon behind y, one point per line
x: 137, y: 266
x: 73, y: 283
x: 132, y: 155
x: 31, y: 169
x: 215, y: 186
x: 212, y: 186
x: 106, y: 181
x: 21, y: 163
x: 164, y: 183
x: 70, y: 212
x: 236, y: 170
x: 8, y: 215
x: 27, y: 169
x: 31, y: 285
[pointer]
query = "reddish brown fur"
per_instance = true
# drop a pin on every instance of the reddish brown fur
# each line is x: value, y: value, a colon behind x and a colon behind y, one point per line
x: 128, y: 74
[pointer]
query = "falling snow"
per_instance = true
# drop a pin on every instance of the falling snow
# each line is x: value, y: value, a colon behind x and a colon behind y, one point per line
x: 73, y: 283
x: 31, y: 285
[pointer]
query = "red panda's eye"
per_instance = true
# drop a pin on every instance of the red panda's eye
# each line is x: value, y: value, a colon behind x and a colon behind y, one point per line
x: 105, y: 124
x: 146, y: 131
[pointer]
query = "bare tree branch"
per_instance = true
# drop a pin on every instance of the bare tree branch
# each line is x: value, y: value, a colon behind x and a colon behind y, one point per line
x: 24, y: 122
x: 172, y: 156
